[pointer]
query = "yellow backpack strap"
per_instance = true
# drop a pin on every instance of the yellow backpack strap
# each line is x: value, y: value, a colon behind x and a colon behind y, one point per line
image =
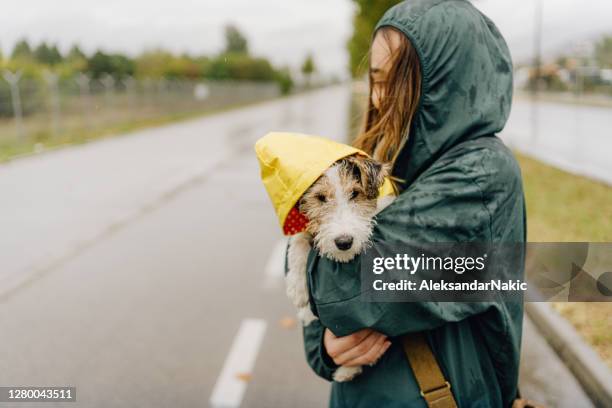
x: 434, y: 387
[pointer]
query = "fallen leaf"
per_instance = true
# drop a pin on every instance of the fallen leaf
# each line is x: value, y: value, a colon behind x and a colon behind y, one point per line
x: 246, y: 377
x: 287, y: 322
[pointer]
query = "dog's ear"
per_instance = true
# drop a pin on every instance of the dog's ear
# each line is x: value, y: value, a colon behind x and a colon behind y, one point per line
x: 300, y: 204
x: 369, y: 172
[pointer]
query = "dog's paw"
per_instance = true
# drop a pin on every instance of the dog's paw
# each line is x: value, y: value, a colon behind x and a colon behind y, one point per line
x: 344, y: 373
x: 306, y: 316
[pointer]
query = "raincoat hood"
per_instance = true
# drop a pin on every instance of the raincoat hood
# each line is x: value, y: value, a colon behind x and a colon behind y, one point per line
x: 466, y: 89
x: 290, y: 163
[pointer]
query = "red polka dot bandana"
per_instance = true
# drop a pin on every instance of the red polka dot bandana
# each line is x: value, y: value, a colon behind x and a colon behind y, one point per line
x: 295, y: 222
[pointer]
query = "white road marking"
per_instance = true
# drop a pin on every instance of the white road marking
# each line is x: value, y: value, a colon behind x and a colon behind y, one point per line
x: 275, y: 267
x: 230, y: 388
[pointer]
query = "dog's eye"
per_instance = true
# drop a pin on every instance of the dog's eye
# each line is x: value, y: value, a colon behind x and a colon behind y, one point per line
x: 321, y: 198
x: 354, y: 194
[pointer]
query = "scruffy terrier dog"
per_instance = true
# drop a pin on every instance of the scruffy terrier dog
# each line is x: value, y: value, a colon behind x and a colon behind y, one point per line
x: 340, y: 207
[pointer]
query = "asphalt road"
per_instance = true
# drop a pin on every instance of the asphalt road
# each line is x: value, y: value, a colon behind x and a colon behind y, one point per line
x: 145, y: 270
x: 576, y: 138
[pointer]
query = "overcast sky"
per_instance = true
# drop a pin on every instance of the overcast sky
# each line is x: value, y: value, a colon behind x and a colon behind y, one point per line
x: 283, y: 30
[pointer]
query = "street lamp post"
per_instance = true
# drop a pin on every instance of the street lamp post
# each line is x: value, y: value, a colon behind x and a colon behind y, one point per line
x: 537, y: 47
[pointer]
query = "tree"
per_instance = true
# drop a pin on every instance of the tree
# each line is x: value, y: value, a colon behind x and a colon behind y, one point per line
x: 46, y: 54
x: 308, y: 68
x: 182, y: 67
x: 116, y: 65
x: 367, y: 14
x: 99, y: 64
x: 284, y: 80
x: 235, y: 42
x: 153, y: 64
x: 54, y: 55
x: 240, y: 67
x: 75, y: 54
x: 562, y: 61
x: 603, y: 52
x: 22, y: 50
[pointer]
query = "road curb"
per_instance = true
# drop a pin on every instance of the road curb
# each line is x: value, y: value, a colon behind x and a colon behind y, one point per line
x: 588, y: 368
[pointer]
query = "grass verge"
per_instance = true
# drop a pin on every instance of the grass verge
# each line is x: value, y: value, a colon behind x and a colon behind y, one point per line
x: 42, y: 142
x: 38, y: 143
x: 565, y: 207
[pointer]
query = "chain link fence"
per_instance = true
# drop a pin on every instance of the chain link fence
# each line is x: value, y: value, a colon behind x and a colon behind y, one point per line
x: 35, y: 114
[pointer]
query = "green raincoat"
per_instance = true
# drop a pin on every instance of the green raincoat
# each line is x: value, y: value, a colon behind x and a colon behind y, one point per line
x: 461, y: 185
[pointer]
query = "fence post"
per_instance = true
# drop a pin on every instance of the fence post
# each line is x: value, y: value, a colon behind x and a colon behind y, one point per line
x: 108, y: 82
x: 146, y: 97
x: 130, y: 84
x: 13, y: 80
x: 83, y: 81
x: 162, y: 89
x: 52, y: 80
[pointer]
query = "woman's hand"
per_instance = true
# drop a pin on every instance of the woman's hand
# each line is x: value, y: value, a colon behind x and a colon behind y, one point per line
x: 363, y: 347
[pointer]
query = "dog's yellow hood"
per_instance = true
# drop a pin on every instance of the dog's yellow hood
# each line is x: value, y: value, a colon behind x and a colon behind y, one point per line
x: 291, y: 162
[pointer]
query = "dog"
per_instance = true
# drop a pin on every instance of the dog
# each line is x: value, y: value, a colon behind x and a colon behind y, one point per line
x: 340, y: 207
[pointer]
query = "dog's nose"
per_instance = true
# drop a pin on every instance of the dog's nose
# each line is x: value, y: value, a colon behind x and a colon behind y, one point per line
x: 344, y: 242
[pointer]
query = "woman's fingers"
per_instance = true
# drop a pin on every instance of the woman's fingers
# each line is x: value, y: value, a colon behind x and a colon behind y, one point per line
x: 372, y: 356
x: 362, y: 348
x: 335, y: 346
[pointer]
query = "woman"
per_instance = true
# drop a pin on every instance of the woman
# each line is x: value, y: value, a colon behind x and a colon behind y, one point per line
x: 441, y: 88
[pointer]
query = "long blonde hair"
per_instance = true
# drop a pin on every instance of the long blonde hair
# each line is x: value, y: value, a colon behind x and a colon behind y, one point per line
x: 384, y: 128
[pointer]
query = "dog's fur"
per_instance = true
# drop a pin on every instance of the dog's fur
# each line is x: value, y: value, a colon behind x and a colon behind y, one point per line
x: 340, y: 207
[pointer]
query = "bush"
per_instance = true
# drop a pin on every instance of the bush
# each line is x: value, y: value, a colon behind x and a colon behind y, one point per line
x: 240, y: 67
x: 117, y: 65
x: 284, y: 80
